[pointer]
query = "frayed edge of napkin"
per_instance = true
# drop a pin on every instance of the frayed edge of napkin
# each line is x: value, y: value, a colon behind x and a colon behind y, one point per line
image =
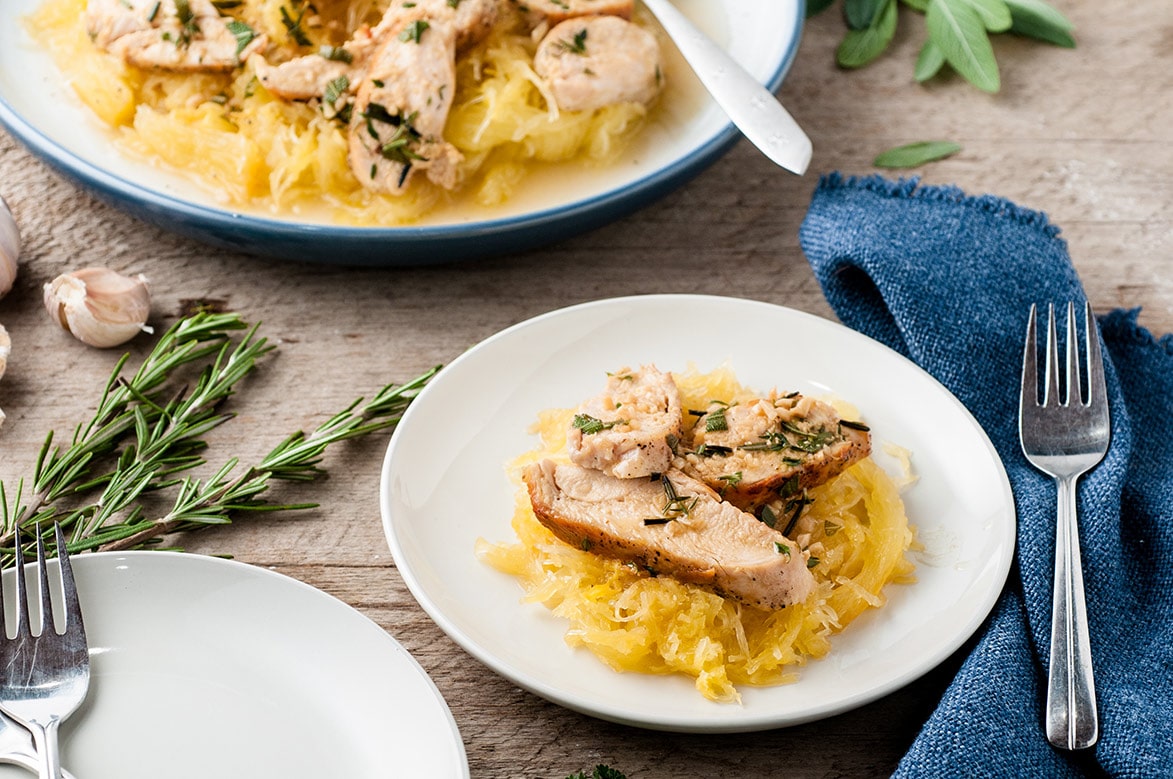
x: 1120, y: 324
x: 910, y: 188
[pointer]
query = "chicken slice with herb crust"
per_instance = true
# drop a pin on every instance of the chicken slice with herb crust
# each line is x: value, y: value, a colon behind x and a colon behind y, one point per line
x: 594, y: 61
x: 555, y: 11
x: 628, y: 430
x: 185, y: 35
x: 401, y: 106
x: 334, y: 71
x: 772, y: 448
x: 671, y: 525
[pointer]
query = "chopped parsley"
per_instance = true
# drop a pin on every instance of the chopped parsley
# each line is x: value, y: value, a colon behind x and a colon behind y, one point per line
x: 575, y: 45
x: 413, y: 31
x: 590, y: 425
x: 781, y: 548
x: 243, y: 34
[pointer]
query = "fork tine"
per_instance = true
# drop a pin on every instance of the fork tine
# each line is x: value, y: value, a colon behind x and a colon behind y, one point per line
x: 1029, y: 395
x: 73, y: 622
x: 46, y: 615
x: 22, y: 606
x: 1097, y: 390
x: 1072, y: 379
x: 1052, y: 373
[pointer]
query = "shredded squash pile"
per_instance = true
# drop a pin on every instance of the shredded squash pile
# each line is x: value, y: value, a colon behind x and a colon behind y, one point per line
x: 248, y: 148
x: 637, y: 622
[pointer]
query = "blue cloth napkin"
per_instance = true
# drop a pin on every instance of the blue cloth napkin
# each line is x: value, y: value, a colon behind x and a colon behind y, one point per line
x: 947, y: 279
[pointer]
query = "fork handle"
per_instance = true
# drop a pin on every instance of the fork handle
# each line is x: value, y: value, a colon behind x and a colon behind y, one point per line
x: 1071, y: 719
x: 45, y: 740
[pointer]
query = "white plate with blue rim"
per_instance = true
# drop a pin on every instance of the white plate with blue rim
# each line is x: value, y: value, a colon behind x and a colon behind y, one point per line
x: 688, y: 133
x: 207, y: 667
x: 444, y: 485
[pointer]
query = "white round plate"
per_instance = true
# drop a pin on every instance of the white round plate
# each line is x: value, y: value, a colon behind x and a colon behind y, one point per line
x: 206, y: 667
x: 444, y: 485
x: 689, y: 132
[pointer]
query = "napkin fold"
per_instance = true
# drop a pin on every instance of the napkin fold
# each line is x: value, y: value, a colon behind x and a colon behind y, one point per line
x: 947, y: 280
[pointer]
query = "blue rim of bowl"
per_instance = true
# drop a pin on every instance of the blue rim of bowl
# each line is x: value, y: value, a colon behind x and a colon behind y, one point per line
x: 379, y: 246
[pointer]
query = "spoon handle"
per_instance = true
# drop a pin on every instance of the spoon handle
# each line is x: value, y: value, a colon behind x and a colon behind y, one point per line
x: 752, y: 108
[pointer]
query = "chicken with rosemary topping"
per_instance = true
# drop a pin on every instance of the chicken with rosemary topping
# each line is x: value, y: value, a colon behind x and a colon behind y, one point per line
x: 183, y: 35
x: 630, y: 428
x: 772, y: 448
x: 555, y: 11
x: 594, y: 61
x: 401, y: 106
x: 674, y: 525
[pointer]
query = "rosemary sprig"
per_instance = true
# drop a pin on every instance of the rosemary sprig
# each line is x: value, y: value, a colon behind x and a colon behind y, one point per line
x: 146, y: 433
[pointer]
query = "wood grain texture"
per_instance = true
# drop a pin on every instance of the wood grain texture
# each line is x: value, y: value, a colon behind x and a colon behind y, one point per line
x: 1082, y: 135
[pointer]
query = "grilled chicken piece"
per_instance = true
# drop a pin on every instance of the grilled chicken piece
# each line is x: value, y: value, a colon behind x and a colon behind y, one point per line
x: 311, y: 76
x: 555, y: 11
x: 673, y: 525
x: 593, y: 61
x: 629, y: 429
x: 188, y: 36
x: 401, y: 107
x: 775, y: 447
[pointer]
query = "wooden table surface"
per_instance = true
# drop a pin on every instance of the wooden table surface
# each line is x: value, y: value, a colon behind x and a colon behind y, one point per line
x: 1082, y: 134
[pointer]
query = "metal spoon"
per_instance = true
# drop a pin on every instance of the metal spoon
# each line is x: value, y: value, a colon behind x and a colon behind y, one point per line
x: 752, y: 108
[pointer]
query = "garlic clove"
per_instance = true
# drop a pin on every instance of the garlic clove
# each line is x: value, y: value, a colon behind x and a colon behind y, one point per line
x: 9, y: 248
x: 5, y: 350
x: 99, y: 306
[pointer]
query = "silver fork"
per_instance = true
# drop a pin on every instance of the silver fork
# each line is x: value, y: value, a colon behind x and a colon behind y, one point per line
x: 44, y: 677
x: 1065, y: 439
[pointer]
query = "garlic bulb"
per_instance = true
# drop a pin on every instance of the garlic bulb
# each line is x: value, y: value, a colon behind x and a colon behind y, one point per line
x: 9, y: 248
x: 99, y: 306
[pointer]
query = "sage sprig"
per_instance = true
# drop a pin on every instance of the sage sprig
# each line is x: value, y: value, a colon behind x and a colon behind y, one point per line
x: 911, y: 155
x: 958, y: 33
x: 147, y: 434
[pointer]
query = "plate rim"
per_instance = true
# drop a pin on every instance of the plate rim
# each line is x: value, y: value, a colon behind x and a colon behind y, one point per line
x: 105, y: 561
x: 686, y: 724
x: 205, y: 222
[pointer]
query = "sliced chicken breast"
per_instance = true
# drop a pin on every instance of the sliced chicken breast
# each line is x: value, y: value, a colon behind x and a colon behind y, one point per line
x: 188, y: 35
x: 629, y: 429
x: 769, y: 448
x: 593, y: 61
x: 672, y: 525
x: 555, y: 11
x: 472, y: 19
x: 401, y: 106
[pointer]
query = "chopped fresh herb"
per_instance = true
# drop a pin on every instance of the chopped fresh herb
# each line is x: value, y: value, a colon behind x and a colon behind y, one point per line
x: 189, y: 26
x: 243, y: 34
x: 378, y: 82
x: 586, y: 545
x: 771, y: 442
x: 153, y: 12
x: 673, y: 441
x: 781, y: 548
x: 658, y: 520
x: 590, y: 425
x: 293, y: 26
x: 336, y: 89
x: 732, y: 479
x: 710, y: 450
x: 413, y: 31
x: 560, y: 4
x: 768, y: 516
x: 830, y: 529
x: 914, y: 155
x: 812, y: 562
x: 336, y: 54
x: 808, y: 442
x: 696, y: 412
x: 225, y: 5
x: 716, y: 421
x: 601, y: 771
x: 374, y: 169
x: 795, y: 508
x: 453, y: 3
x: 677, y: 504
x: 789, y: 487
x: 854, y: 425
x: 575, y: 45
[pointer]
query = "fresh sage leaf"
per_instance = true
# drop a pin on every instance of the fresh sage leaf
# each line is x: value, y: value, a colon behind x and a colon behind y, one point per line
x: 995, y: 14
x: 816, y: 7
x: 859, y: 47
x: 928, y: 62
x: 915, y: 154
x: 1037, y: 19
x: 862, y: 14
x: 957, y: 29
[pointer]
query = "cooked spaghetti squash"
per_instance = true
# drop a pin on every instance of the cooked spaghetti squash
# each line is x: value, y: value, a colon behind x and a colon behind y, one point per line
x: 855, y: 529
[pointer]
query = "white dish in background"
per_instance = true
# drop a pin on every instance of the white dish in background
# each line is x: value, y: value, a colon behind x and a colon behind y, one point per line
x: 203, y: 667
x: 689, y: 132
x: 444, y: 485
